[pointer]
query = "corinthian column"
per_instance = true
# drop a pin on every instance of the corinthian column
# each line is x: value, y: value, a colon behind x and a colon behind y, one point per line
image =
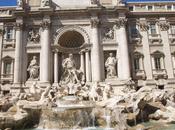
x: 123, y: 64
x: 56, y: 68
x: 96, y: 52
x: 18, y: 55
x: 45, y: 55
x: 82, y: 66
x: 88, y: 66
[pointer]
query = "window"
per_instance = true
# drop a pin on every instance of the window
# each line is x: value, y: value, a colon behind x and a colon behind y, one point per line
x: 173, y: 29
x: 9, y: 33
x: 136, y: 64
x: 153, y: 28
x: 169, y: 7
x: 157, y: 61
x: 150, y: 8
x: 131, y: 8
x: 134, y: 31
x: 7, y: 67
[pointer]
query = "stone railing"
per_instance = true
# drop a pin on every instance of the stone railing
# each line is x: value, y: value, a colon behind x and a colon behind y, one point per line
x: 161, y: 73
x: 9, y: 43
x: 155, y: 38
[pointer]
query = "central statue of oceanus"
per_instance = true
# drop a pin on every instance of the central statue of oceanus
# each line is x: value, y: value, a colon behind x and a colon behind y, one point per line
x: 72, y: 79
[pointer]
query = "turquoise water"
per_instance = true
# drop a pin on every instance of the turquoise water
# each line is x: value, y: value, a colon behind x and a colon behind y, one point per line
x: 159, y: 126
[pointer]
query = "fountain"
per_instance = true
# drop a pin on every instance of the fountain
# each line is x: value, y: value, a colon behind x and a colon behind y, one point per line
x: 76, y: 105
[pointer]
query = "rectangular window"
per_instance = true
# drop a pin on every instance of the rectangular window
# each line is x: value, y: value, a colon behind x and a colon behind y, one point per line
x: 7, y: 68
x: 134, y: 31
x: 150, y: 8
x: 169, y: 7
x: 173, y: 29
x: 9, y: 33
x: 136, y: 64
x: 131, y: 8
x: 153, y: 28
x: 157, y: 61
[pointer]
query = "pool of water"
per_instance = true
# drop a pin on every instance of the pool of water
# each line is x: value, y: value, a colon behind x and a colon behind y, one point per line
x: 153, y: 125
x: 159, y: 126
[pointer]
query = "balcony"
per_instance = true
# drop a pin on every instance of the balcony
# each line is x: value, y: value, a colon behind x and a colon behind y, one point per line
x: 160, y: 74
x: 6, y: 78
x: 155, y: 38
x: 172, y: 38
x: 140, y: 75
x: 9, y: 43
x: 135, y: 38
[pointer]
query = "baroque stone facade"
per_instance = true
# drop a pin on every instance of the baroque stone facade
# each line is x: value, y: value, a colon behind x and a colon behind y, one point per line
x: 36, y: 38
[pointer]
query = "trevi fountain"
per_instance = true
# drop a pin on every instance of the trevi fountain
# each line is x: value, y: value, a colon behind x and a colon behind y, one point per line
x: 79, y: 101
x: 77, y: 105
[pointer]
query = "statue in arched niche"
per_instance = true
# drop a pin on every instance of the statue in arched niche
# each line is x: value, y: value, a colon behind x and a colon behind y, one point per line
x: 70, y: 73
x: 33, y: 69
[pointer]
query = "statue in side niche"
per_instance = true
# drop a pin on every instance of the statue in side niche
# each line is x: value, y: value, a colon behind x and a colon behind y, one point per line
x: 33, y: 68
x: 110, y: 65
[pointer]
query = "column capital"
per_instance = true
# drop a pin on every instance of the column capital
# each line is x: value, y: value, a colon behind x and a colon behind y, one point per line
x: 81, y: 52
x: 164, y: 26
x: 55, y: 50
x: 45, y: 24
x: 19, y: 26
x: 94, y: 22
x: 120, y: 22
x: 86, y: 50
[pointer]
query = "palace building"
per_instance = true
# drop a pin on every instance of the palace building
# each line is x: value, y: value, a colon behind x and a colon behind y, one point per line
x: 135, y: 37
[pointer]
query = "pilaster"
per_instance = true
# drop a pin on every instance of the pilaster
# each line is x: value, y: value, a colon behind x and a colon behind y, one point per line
x: 45, y: 54
x: 1, y: 42
x: 146, y: 49
x: 18, y: 53
x: 164, y: 27
x: 123, y: 49
x: 96, y: 52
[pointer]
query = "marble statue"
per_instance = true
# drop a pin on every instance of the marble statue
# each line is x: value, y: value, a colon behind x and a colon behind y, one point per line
x: 45, y: 3
x: 33, y: 68
x: 34, y: 36
x: 110, y: 65
x: 20, y: 3
x: 108, y: 91
x: 70, y: 74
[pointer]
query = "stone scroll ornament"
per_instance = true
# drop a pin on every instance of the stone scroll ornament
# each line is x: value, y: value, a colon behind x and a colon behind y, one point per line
x: 33, y: 69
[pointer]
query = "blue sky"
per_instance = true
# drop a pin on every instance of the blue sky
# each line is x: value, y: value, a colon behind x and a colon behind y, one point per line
x: 7, y: 2
x: 13, y: 2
